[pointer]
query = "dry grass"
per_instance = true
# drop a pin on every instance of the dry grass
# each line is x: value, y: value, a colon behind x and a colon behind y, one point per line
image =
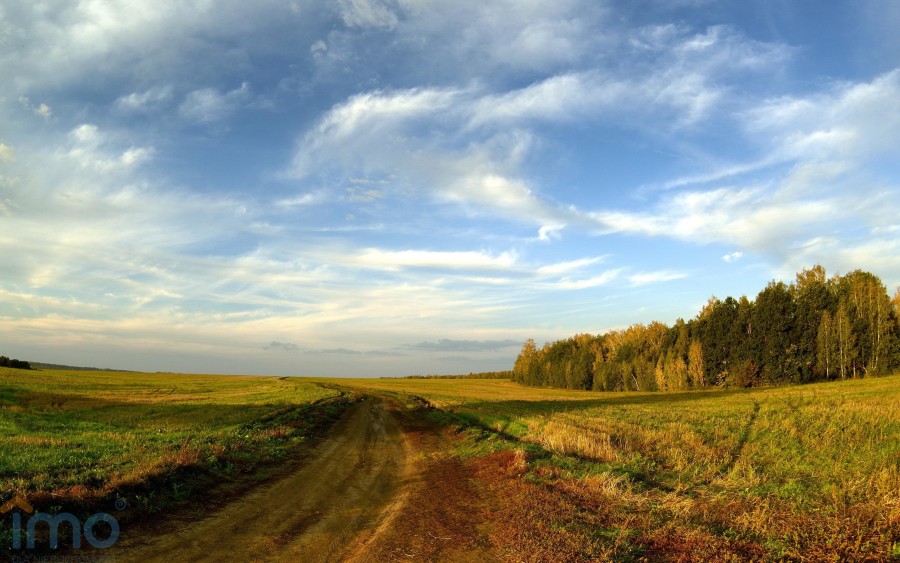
x: 803, y: 473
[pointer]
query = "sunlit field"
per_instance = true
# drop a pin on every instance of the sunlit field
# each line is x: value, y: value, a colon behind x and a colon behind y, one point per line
x: 70, y: 437
x: 803, y: 472
x: 798, y: 472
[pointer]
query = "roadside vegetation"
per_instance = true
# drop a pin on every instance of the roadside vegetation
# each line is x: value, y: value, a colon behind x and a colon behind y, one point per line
x: 77, y: 440
x: 803, y: 472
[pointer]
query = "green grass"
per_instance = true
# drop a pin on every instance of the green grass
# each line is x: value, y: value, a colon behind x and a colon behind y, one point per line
x: 81, y: 436
x: 778, y: 473
x: 804, y: 471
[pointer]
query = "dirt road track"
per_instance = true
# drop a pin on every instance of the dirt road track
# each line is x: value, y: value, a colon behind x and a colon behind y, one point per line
x: 331, y: 509
x: 381, y: 487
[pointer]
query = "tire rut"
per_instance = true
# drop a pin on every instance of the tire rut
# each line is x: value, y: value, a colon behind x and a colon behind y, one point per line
x: 327, y: 510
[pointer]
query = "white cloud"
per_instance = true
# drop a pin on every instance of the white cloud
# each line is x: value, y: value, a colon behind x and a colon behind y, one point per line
x: 384, y: 110
x: 40, y: 110
x: 829, y: 146
x: 44, y: 111
x: 208, y: 105
x: 351, y: 137
x: 367, y: 14
x: 509, y: 196
x: 91, y: 148
x: 145, y: 101
x: 569, y: 266
x: 7, y: 153
x: 549, y: 232
x: 558, y: 98
x: 733, y: 256
x: 645, y: 278
x: 506, y: 35
x: 359, y: 195
x: 120, y: 42
x: 471, y: 260
x: 310, y: 198
x: 877, y: 254
x: 857, y: 121
x: 596, y: 281
x: 685, y: 85
x: 749, y: 217
x: 477, y: 166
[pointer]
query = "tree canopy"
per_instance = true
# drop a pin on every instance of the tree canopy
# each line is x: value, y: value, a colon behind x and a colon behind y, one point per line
x: 816, y: 328
x: 11, y: 363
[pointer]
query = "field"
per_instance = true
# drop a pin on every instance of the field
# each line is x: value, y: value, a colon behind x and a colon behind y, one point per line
x: 86, y: 437
x: 465, y: 466
x: 807, y: 472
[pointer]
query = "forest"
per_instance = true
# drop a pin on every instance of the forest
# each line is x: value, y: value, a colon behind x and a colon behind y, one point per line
x: 815, y: 329
x: 6, y: 362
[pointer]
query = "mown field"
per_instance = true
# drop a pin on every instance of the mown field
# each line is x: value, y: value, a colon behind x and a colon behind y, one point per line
x: 805, y: 473
x: 791, y: 473
x: 70, y: 439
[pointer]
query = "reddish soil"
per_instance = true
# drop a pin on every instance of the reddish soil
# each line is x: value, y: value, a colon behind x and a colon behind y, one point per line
x: 380, y: 488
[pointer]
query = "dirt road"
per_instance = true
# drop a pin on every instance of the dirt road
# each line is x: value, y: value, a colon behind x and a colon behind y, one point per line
x: 381, y: 487
x: 331, y: 509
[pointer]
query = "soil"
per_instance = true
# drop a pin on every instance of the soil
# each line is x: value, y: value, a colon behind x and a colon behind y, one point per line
x: 379, y: 488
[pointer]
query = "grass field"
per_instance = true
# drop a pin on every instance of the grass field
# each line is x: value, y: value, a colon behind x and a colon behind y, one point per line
x: 808, y: 472
x: 800, y: 473
x: 86, y: 437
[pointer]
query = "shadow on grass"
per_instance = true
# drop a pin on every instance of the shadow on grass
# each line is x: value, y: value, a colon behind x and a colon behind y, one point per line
x: 612, y: 399
x: 36, y: 410
x: 238, y: 446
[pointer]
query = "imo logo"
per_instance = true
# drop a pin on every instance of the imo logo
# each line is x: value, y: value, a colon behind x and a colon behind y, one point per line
x: 19, y: 506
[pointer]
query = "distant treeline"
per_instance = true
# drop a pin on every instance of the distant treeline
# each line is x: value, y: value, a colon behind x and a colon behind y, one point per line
x: 10, y: 363
x: 481, y: 375
x: 63, y: 367
x: 813, y: 329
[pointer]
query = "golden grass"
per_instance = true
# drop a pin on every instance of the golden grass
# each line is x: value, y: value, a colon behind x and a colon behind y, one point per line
x: 807, y: 472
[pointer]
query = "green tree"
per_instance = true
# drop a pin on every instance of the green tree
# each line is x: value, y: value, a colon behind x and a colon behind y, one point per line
x: 811, y: 294
x: 661, y: 375
x: 814, y: 328
x: 678, y: 373
x: 522, y: 367
x: 869, y: 309
x: 695, y: 368
x: 896, y: 304
x: 826, y: 344
x: 774, y: 326
x: 846, y: 341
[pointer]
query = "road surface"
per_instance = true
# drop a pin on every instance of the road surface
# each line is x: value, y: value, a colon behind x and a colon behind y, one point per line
x: 366, y: 494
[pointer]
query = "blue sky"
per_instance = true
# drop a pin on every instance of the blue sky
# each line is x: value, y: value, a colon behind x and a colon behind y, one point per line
x: 388, y: 187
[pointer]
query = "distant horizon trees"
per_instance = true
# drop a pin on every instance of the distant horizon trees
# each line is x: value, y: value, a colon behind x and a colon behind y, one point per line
x: 11, y: 363
x: 816, y: 328
x: 507, y: 374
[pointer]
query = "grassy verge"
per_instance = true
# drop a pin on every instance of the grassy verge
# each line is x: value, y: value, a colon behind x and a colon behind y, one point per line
x: 80, y: 441
x: 782, y: 473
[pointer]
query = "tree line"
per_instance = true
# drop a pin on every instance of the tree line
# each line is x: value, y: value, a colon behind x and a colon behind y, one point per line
x: 471, y: 375
x: 816, y: 328
x: 11, y: 363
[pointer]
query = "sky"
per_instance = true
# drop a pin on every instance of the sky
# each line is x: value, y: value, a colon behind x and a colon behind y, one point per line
x: 394, y: 187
